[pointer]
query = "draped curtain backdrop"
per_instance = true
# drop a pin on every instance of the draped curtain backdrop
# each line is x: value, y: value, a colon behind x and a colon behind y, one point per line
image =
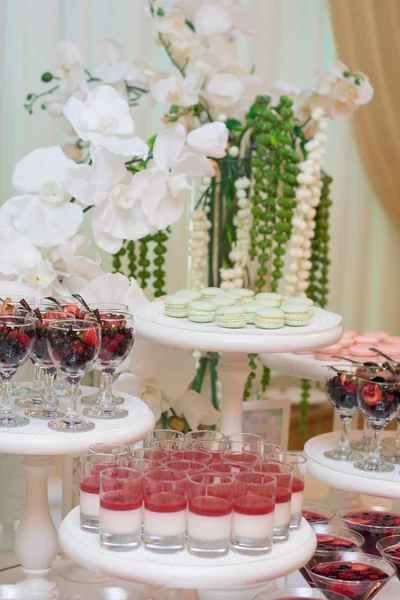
x: 367, y: 38
x: 293, y: 39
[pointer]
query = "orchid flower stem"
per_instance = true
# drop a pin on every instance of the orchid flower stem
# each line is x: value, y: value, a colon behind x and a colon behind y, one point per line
x: 35, y: 97
x: 213, y: 380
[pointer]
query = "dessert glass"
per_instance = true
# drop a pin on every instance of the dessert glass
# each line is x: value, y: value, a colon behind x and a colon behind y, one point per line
x: 283, y: 474
x: 242, y: 458
x: 299, y: 466
x: 341, y: 390
x: 354, y: 574
x: 203, y: 435
x: 378, y: 401
x: 17, y: 336
x: 117, y: 337
x: 149, y: 454
x: 209, y: 514
x: 389, y: 548
x: 300, y: 593
x: 192, y: 454
x: 190, y: 467
x: 73, y: 347
x: 313, y: 512
x: 372, y: 524
x: 254, y: 496
x: 226, y: 468
x: 120, y: 451
x: 169, y: 445
x: 213, y: 447
x: 91, y: 466
x: 246, y: 441
x: 121, y: 500
x: 165, y: 434
x: 165, y: 503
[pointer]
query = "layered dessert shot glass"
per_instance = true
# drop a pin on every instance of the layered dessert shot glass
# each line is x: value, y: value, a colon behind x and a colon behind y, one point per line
x: 250, y: 459
x: 203, y: 435
x: 121, y: 499
x: 190, y: 467
x: 246, y: 441
x: 169, y: 445
x: 372, y: 524
x: 226, y: 468
x: 283, y: 473
x: 165, y: 434
x: 313, y: 512
x: 164, y: 501
x: 199, y: 456
x: 299, y: 466
x: 91, y: 466
x: 209, y: 515
x: 120, y: 451
x: 253, y: 512
x: 213, y: 447
x: 150, y: 454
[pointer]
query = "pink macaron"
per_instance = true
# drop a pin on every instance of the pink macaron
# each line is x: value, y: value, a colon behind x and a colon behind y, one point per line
x: 328, y: 352
x: 380, y: 336
x: 350, y: 333
x: 346, y: 342
x: 393, y: 339
x: 362, y: 352
x: 365, y: 340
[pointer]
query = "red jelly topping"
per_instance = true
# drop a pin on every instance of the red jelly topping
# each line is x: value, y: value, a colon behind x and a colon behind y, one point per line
x: 373, y: 518
x: 91, y: 484
x: 165, y: 502
x: 253, y: 504
x: 394, y: 551
x: 313, y: 517
x: 120, y: 500
x: 349, y: 571
x: 298, y: 485
x: 210, y: 506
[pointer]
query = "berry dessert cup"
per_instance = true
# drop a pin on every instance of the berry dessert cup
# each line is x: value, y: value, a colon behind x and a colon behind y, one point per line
x: 300, y: 593
x: 372, y: 524
x: 313, y: 512
x: 209, y: 514
x: 378, y: 400
x: 74, y: 347
x: 341, y: 390
x: 389, y: 549
x: 117, y: 337
x: 354, y: 574
x: 17, y: 336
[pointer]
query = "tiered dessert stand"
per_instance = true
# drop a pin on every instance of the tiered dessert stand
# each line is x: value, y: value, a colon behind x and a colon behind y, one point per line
x: 182, y: 570
x: 36, y: 538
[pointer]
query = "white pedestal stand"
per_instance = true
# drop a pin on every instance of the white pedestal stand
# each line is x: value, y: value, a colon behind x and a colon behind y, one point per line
x: 36, y: 539
x: 234, y: 346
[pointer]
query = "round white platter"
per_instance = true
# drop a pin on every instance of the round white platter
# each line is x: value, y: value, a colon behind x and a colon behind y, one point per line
x: 37, y: 439
x: 151, y: 323
x: 304, y: 366
x: 344, y: 475
x: 181, y: 569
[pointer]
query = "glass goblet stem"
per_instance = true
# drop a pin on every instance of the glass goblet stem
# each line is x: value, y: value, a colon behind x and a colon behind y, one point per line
x: 374, y: 457
x: 72, y: 414
x: 397, y: 438
x: 49, y: 393
x: 36, y: 383
x: 107, y: 397
x: 344, y: 444
x: 5, y: 405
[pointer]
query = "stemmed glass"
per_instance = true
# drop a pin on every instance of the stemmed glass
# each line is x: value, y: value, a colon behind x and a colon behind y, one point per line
x: 394, y: 455
x: 74, y: 347
x: 17, y: 336
x: 341, y: 389
x: 117, y: 337
x: 378, y: 401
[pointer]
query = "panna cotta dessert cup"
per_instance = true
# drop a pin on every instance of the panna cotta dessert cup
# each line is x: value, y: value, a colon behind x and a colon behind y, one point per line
x: 283, y: 472
x: 209, y: 515
x: 121, y: 499
x: 190, y: 467
x: 299, y: 465
x: 164, y: 515
x: 120, y: 451
x: 214, y: 447
x: 246, y: 441
x: 225, y: 468
x: 150, y: 454
x: 251, y: 459
x: 164, y: 434
x: 192, y: 454
x: 253, y: 512
x: 91, y: 466
x: 203, y: 435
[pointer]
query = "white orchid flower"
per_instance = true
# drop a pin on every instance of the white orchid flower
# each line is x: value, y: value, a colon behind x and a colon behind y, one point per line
x: 351, y: 93
x: 41, y: 276
x: 324, y: 81
x: 117, y: 198
x: 224, y: 89
x: 162, y: 184
x: 113, y: 68
x: 175, y: 32
x: 114, y: 287
x: 210, y: 139
x: 18, y: 254
x: 43, y: 212
x: 104, y: 120
x: 53, y: 105
x: 197, y: 409
x: 69, y: 67
x: 182, y: 91
x: 212, y: 19
x: 154, y: 377
x: 69, y: 263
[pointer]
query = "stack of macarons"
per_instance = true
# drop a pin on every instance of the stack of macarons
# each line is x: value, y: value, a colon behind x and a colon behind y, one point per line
x: 239, y: 307
x: 357, y: 346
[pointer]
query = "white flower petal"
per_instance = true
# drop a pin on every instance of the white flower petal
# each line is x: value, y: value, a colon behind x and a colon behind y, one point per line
x: 135, y: 297
x: 210, y: 139
x: 67, y: 54
x: 40, y: 275
x: 194, y: 165
x: 197, y: 409
x: 129, y: 146
x: 225, y: 89
x: 168, y: 146
x: 68, y: 263
x: 211, y: 19
x: 18, y: 254
x: 45, y: 224
x: 78, y: 183
x: 41, y: 166
x: 105, y: 107
x: 109, y: 50
x: 128, y: 224
x: 104, y: 240
x: 161, y: 207
x: 109, y: 287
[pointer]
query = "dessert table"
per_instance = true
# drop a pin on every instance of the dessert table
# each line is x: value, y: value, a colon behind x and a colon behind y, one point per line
x: 181, y: 569
x: 235, y: 345
x: 36, y: 538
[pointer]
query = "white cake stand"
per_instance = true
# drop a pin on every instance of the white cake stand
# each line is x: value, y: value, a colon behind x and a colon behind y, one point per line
x: 304, y: 366
x: 182, y: 570
x: 36, y: 538
x: 234, y: 346
x: 344, y: 475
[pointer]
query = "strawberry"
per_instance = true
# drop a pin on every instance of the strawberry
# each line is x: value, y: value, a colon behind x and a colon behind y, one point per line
x: 372, y: 395
x: 90, y: 337
x: 113, y: 346
x: 73, y: 309
x: 77, y: 347
x: 14, y: 336
x: 119, y: 337
x: 25, y: 339
x: 7, y: 308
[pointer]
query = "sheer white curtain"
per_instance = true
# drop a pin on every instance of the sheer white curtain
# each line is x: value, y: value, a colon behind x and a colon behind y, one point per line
x: 293, y: 40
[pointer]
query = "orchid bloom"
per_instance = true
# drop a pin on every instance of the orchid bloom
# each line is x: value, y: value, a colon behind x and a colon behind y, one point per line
x: 114, y: 287
x: 69, y: 67
x: 224, y: 89
x: 103, y: 119
x: 154, y: 377
x: 282, y: 88
x: 161, y: 184
x: 197, y: 409
x: 116, y: 196
x: 175, y: 32
x: 76, y: 270
x: 113, y: 68
x: 183, y: 91
x: 18, y: 254
x: 43, y: 212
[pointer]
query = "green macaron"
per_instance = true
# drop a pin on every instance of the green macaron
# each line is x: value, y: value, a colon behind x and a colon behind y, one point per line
x: 297, y: 314
x: 268, y: 302
x: 250, y: 309
x: 209, y: 292
x: 176, y: 306
x: 192, y: 295
x: 201, y: 311
x: 245, y: 294
x: 232, y: 317
x: 268, y: 296
x: 270, y: 318
x: 221, y: 300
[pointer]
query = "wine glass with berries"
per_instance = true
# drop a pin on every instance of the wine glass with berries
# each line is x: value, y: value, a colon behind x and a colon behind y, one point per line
x: 341, y: 389
x: 378, y: 399
x: 47, y: 407
x: 117, y: 337
x: 17, y: 336
x: 73, y: 347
